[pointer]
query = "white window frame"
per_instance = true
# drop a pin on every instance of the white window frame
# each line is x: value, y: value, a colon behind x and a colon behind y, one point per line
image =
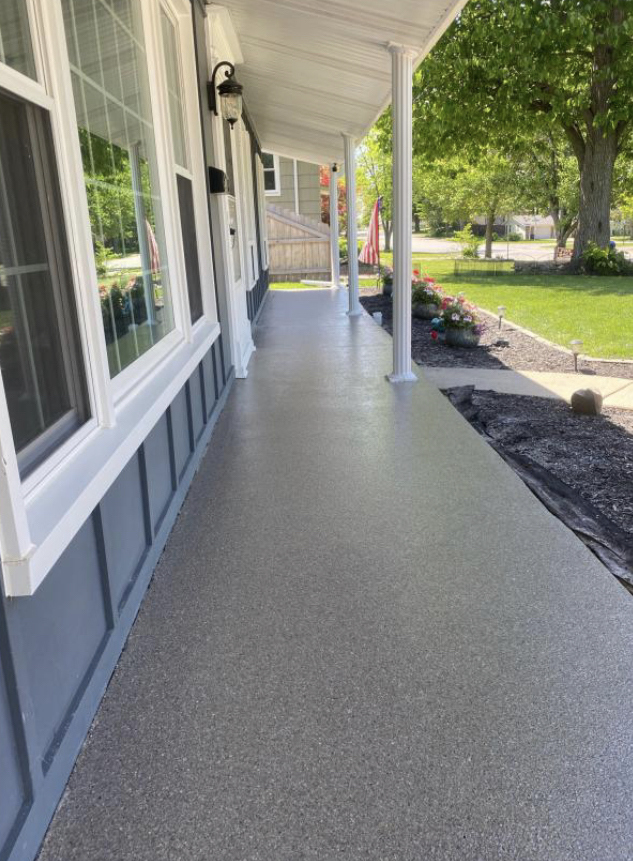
x: 42, y: 514
x: 179, y: 13
x: 276, y: 191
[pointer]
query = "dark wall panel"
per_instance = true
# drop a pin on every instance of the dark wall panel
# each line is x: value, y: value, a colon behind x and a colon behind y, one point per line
x: 123, y: 514
x: 67, y: 637
x: 62, y: 628
x: 11, y: 786
x: 197, y: 403
x: 208, y: 375
x: 159, y: 470
x: 180, y: 429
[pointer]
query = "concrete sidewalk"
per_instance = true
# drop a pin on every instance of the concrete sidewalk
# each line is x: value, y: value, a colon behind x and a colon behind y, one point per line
x: 366, y: 640
x: 616, y: 391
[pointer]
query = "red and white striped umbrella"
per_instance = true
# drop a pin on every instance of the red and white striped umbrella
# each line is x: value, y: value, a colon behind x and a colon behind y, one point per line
x: 370, y: 252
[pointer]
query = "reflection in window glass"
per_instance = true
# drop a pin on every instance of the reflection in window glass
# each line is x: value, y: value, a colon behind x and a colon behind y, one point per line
x: 114, y: 118
x: 40, y: 354
x: 15, y: 39
x: 171, y: 52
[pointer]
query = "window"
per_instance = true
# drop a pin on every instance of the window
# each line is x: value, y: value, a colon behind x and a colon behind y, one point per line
x: 114, y: 119
x: 184, y: 178
x: 40, y: 352
x: 174, y: 88
x: 271, y: 173
x: 15, y: 40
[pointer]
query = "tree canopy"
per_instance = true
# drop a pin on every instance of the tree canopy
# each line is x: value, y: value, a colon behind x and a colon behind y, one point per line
x: 538, y: 67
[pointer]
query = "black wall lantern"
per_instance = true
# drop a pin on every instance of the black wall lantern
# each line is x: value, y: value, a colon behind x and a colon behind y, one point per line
x: 230, y: 93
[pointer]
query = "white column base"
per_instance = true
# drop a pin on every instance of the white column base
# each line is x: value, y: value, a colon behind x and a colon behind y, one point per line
x: 407, y: 377
x: 355, y: 313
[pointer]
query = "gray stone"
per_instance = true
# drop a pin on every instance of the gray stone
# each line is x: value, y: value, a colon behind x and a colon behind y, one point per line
x: 587, y: 402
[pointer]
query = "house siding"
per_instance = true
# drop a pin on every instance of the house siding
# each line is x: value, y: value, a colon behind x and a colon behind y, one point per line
x: 59, y: 647
x: 309, y: 188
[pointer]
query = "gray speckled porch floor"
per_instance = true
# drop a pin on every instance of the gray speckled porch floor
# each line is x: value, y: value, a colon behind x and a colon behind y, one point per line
x: 365, y: 640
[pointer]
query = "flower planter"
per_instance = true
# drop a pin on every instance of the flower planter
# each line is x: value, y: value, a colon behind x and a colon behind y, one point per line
x: 424, y: 310
x: 462, y: 338
x: 387, y: 288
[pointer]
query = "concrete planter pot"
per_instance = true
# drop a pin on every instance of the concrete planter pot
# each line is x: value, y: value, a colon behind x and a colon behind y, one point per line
x: 387, y: 288
x: 462, y: 338
x: 424, y: 310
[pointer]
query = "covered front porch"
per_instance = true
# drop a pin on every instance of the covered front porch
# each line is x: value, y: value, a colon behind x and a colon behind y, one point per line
x: 365, y: 639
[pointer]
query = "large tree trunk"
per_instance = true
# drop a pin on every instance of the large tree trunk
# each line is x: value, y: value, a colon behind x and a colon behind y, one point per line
x: 596, y: 180
x: 490, y: 223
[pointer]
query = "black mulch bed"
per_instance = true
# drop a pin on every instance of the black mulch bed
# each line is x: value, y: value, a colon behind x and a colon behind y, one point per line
x: 592, y: 454
x: 580, y: 467
x: 521, y: 353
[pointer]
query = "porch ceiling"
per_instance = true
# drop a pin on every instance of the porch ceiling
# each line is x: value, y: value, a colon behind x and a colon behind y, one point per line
x: 316, y: 68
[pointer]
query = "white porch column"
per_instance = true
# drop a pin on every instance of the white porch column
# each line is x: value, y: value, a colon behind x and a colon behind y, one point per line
x: 334, y: 252
x: 352, y: 238
x: 402, y: 99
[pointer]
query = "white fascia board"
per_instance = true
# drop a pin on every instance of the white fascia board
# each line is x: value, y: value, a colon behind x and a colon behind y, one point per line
x: 221, y: 19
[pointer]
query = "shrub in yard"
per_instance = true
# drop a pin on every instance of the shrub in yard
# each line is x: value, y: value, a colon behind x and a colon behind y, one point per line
x: 514, y: 237
x: 605, y: 261
x: 470, y: 243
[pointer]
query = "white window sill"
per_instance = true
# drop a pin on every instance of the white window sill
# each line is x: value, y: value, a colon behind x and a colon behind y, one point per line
x: 59, y: 505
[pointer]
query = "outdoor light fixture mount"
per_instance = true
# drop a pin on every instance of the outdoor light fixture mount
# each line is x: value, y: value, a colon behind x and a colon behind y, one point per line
x: 230, y: 93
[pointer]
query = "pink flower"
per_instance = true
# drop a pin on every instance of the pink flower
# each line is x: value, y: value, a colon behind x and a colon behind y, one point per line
x: 434, y: 335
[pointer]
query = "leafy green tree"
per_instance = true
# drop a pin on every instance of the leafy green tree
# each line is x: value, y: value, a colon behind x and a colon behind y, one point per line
x: 374, y: 180
x: 548, y: 181
x: 505, y: 68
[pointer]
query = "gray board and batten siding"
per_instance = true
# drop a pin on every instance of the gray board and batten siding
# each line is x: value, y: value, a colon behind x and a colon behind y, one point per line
x: 59, y: 647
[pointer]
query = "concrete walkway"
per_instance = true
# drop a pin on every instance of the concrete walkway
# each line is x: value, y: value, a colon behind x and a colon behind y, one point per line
x: 616, y: 391
x: 365, y: 640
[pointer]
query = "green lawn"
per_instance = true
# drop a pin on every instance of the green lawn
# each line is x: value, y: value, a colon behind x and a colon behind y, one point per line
x: 598, y: 310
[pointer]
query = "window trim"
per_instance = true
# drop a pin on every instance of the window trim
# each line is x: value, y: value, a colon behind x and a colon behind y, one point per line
x: 179, y: 12
x: 43, y: 512
x: 276, y: 191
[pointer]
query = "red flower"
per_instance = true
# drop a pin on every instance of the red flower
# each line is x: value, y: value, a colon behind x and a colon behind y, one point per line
x: 428, y: 279
x: 434, y: 335
x: 416, y: 271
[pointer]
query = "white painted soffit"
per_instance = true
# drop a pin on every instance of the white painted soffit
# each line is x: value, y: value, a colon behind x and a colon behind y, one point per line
x: 314, y: 69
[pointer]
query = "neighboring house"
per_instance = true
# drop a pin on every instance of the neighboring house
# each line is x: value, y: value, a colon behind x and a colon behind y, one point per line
x: 531, y: 226
x: 298, y: 241
x: 528, y: 226
x: 292, y: 185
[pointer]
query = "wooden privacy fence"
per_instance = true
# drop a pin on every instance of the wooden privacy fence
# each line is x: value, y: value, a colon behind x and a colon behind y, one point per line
x: 298, y: 247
